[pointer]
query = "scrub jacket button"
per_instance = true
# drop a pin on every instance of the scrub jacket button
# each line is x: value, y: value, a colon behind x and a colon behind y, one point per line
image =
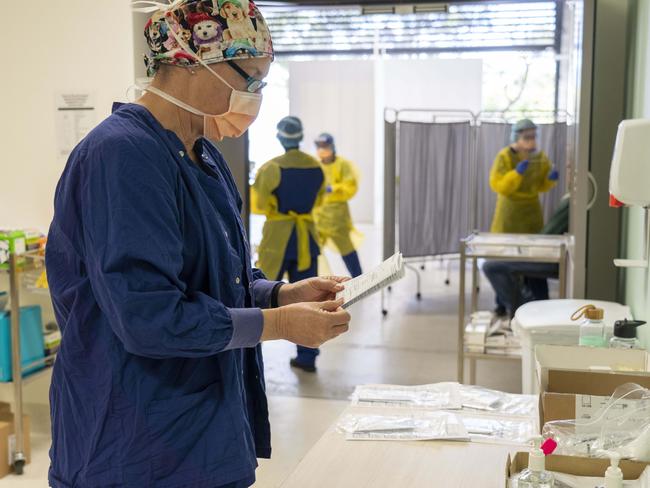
x: 182, y: 153
x: 238, y: 280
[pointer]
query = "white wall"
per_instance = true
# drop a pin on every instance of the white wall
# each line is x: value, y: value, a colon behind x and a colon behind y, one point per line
x: 637, y: 282
x: 454, y: 84
x: 49, y: 47
x: 338, y: 97
x: 347, y: 98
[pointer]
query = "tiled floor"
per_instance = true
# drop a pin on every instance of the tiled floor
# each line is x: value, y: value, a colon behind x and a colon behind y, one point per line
x: 415, y: 344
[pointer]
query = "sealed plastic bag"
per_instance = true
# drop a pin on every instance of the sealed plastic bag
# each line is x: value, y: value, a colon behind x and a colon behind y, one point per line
x: 439, y: 396
x: 622, y: 425
x: 410, y: 426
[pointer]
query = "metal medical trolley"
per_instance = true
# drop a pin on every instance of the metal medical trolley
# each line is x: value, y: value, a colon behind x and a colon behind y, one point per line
x: 503, y: 247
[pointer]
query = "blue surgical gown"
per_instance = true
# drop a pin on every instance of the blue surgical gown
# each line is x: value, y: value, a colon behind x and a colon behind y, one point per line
x: 159, y: 380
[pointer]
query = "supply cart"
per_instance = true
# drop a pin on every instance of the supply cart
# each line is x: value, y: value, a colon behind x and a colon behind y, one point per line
x: 20, y: 266
x: 503, y: 247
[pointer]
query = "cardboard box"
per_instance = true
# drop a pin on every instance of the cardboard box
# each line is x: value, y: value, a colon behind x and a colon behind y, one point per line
x: 632, y: 470
x: 580, y: 394
x: 577, y: 358
x: 8, y: 440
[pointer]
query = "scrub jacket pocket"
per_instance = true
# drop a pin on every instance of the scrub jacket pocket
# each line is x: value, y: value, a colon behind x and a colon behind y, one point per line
x: 173, y: 423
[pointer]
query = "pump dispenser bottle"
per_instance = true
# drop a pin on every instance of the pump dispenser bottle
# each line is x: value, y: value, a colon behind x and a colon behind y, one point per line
x: 614, y: 475
x: 536, y: 476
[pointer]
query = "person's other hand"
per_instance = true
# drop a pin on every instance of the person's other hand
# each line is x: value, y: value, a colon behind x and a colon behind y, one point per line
x: 522, y: 167
x: 311, y: 290
x: 554, y: 175
x: 306, y: 324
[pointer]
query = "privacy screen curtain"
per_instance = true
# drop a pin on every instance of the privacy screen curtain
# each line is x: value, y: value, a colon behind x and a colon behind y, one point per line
x: 434, y: 187
x: 443, y: 172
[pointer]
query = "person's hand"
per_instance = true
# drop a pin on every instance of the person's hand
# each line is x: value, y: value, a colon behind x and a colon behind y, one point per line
x: 554, y: 175
x: 306, y: 324
x: 311, y: 290
x: 522, y: 167
x: 328, y: 189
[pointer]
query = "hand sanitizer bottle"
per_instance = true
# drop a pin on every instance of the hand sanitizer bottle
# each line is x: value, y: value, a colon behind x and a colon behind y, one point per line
x: 614, y: 475
x: 536, y: 476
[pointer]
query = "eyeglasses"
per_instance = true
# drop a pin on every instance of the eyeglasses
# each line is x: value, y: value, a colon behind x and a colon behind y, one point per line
x: 254, y: 85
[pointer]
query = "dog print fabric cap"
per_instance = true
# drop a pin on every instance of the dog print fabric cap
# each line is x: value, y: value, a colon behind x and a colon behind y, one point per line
x: 214, y: 30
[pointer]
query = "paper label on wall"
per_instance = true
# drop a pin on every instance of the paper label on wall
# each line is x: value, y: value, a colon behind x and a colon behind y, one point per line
x: 75, y: 118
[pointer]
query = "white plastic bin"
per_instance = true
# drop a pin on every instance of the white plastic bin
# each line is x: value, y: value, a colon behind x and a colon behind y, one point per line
x: 549, y: 322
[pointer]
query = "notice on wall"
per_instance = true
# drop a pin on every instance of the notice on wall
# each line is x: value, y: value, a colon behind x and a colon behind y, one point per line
x: 75, y: 117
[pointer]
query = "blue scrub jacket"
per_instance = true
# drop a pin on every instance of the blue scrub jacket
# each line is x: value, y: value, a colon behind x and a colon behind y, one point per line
x: 159, y: 381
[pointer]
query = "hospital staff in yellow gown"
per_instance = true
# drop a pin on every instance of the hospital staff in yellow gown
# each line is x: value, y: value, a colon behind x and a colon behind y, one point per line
x: 519, y: 174
x: 333, y: 218
x: 286, y: 190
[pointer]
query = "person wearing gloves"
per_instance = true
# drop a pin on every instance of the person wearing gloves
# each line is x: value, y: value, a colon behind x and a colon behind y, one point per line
x: 333, y: 219
x: 516, y: 282
x: 286, y: 190
x: 159, y: 380
x: 519, y: 174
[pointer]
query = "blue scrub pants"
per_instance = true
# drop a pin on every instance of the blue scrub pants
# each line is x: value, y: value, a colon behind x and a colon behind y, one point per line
x: 306, y: 355
x: 352, y: 263
x: 506, y: 278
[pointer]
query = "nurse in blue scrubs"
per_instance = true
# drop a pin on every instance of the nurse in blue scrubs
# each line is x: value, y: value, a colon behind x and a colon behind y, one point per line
x: 159, y: 380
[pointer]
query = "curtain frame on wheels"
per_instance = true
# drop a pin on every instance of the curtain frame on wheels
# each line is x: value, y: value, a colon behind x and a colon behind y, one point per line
x: 393, y: 118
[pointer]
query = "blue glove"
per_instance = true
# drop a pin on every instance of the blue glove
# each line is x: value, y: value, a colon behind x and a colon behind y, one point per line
x: 328, y: 189
x: 522, y: 167
x: 554, y: 175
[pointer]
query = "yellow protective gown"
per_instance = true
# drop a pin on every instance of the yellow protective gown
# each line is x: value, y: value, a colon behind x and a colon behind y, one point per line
x: 518, y: 209
x: 278, y: 226
x: 333, y: 219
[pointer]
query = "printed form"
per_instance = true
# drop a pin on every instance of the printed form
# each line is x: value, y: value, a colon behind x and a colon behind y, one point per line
x: 365, y: 285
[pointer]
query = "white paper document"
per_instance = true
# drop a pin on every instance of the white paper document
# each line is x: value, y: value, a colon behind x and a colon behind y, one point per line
x: 365, y: 285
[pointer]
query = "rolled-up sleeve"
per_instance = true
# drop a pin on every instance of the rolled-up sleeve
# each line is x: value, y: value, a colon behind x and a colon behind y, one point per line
x: 247, y: 327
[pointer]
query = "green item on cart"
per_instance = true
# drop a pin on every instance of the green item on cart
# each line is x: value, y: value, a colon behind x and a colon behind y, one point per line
x: 32, y: 239
x: 11, y: 241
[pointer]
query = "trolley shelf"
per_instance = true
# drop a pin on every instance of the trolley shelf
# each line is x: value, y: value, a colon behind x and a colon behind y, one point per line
x: 503, y: 247
x: 19, y: 269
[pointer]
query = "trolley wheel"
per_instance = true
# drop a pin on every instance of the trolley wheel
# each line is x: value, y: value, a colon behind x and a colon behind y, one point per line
x: 390, y: 288
x: 478, y: 289
x: 447, y: 282
x: 422, y: 267
x: 19, y: 465
x: 384, y: 313
x: 418, y: 296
